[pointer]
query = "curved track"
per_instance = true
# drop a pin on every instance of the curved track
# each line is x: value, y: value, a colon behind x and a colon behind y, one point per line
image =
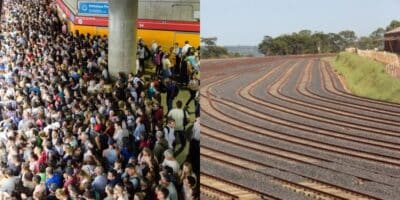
x: 287, y: 128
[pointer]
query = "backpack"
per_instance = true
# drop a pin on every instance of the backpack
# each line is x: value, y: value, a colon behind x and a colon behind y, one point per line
x: 157, y: 58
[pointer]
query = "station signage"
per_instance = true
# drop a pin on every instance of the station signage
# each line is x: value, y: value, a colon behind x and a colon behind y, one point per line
x: 93, y: 8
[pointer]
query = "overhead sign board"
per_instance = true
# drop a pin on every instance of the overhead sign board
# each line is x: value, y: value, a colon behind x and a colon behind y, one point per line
x: 93, y: 8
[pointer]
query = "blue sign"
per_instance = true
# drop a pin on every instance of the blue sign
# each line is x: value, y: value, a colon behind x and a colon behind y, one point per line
x: 92, y: 8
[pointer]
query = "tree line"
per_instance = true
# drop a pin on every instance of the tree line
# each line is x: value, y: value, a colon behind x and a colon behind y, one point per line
x: 308, y: 42
x: 210, y: 49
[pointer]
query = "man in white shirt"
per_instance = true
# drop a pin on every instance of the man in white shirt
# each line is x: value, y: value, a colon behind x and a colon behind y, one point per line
x: 180, y: 116
x: 186, y: 48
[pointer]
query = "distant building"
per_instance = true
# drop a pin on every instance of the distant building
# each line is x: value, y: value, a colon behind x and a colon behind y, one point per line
x: 392, y: 40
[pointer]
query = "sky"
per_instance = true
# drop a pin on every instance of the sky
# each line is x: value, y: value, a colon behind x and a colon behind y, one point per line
x: 245, y: 22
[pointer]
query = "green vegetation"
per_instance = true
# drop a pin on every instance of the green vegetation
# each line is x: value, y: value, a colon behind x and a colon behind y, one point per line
x: 308, y: 42
x: 210, y: 49
x: 366, y: 77
x: 393, y: 24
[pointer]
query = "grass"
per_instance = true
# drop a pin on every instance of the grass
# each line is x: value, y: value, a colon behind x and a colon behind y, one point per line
x: 366, y: 77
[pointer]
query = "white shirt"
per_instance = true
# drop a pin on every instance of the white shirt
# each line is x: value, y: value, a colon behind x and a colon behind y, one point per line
x: 185, y: 48
x: 196, y: 130
x: 169, y: 136
x: 177, y: 115
x: 8, y: 184
x: 171, y: 163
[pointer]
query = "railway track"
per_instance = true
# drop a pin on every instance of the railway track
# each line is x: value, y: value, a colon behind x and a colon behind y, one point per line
x: 216, y: 188
x: 310, y: 187
x: 362, y: 151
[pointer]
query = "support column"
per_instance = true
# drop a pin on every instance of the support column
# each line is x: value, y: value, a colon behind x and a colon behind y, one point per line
x: 122, y: 36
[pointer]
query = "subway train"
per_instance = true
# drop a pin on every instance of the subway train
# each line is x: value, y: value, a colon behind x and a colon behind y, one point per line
x: 164, y: 32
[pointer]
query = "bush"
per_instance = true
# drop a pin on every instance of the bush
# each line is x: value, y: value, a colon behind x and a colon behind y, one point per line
x: 366, y: 77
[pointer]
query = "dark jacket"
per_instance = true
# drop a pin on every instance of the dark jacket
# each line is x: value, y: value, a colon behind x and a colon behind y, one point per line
x: 159, y: 149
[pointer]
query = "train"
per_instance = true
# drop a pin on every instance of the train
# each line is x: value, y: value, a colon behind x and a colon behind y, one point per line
x: 164, y: 32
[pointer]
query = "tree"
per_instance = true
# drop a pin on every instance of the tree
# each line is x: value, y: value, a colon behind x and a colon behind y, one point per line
x: 211, y: 50
x: 349, y: 37
x: 265, y: 46
x: 336, y: 42
x: 393, y: 24
x: 377, y: 38
x: 365, y: 43
x: 212, y: 41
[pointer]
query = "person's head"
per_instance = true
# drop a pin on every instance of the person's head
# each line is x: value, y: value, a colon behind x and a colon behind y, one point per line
x: 194, y: 76
x: 36, y: 179
x: 147, y: 152
x: 109, y: 190
x: 28, y: 177
x: 139, y: 196
x: 159, y: 135
x: 119, y: 189
x: 162, y: 193
x: 69, y: 173
x: 8, y: 173
x: 53, y: 187
x: 169, y: 154
x: 179, y: 104
x: 186, y: 42
x: 187, y: 168
x: 61, y: 194
x: 49, y: 171
x: 165, y: 179
x: 190, y: 181
x: 99, y: 170
x: 171, y: 123
x: 112, y: 174
x: 166, y: 55
x: 72, y: 190
x: 130, y: 169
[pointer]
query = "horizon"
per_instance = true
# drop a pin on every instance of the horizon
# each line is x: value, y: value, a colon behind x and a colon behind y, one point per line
x: 235, y: 27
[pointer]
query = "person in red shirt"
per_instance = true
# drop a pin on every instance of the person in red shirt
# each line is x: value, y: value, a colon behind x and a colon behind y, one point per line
x: 158, y: 114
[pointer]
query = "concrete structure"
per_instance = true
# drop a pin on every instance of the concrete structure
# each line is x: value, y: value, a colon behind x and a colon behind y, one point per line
x: 392, y: 40
x: 122, y: 43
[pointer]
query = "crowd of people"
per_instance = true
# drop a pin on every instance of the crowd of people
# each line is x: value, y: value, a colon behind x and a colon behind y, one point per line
x: 69, y: 130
